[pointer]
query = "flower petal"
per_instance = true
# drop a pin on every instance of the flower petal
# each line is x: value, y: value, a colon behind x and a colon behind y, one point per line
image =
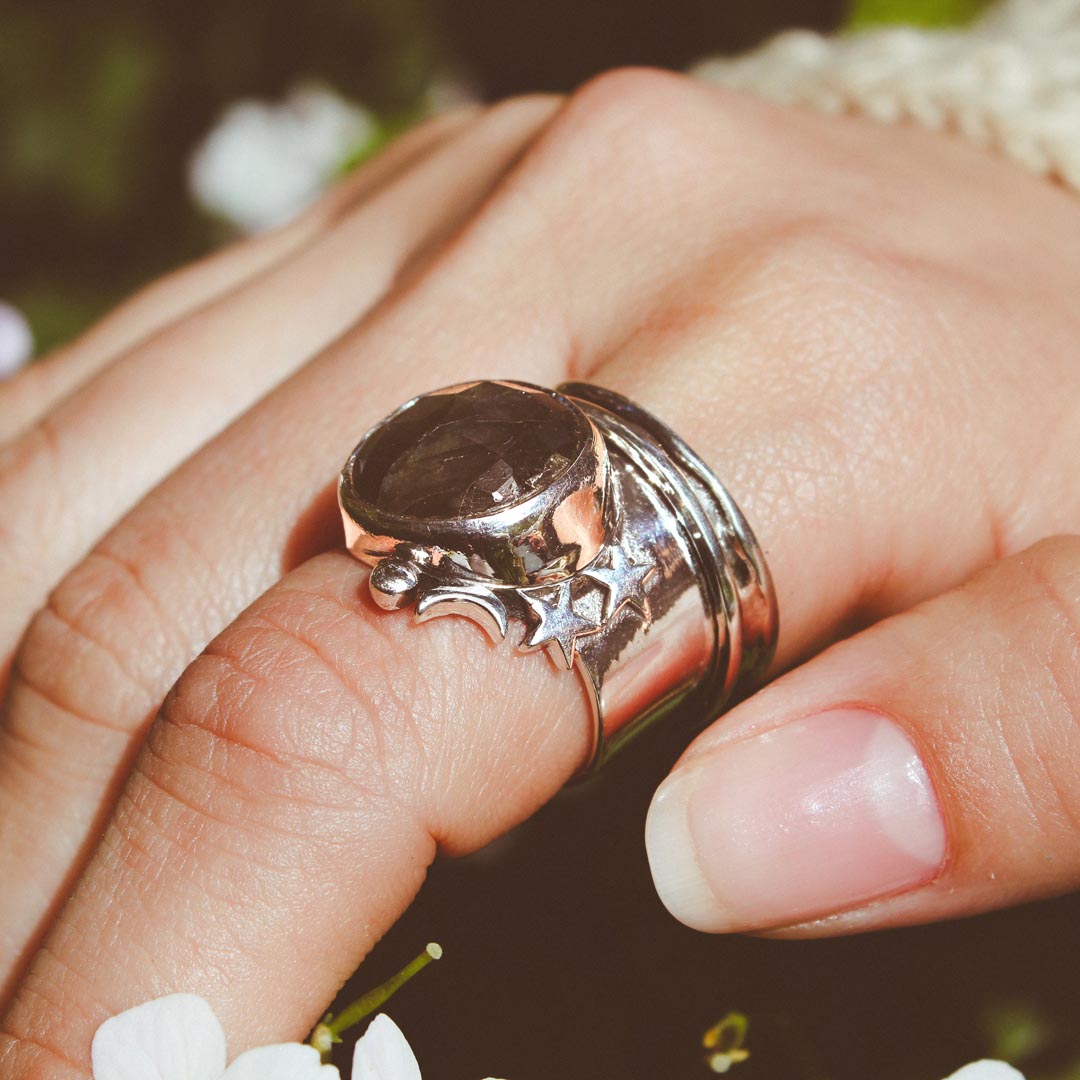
x: 288, y: 1061
x: 987, y: 1070
x: 383, y: 1053
x: 172, y: 1038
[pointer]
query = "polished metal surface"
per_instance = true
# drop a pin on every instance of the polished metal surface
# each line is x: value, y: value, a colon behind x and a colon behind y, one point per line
x: 633, y: 566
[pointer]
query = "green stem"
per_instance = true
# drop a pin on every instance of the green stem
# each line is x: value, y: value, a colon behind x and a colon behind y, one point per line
x: 332, y: 1027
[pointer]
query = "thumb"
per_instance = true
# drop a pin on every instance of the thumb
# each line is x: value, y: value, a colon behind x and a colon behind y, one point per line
x: 927, y: 768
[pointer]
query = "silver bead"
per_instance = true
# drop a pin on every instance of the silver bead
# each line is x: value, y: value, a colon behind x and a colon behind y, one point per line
x: 393, y: 583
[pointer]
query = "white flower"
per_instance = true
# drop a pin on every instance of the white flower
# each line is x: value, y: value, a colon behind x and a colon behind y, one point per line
x: 16, y: 340
x: 987, y: 1070
x: 384, y: 1053
x: 262, y: 164
x: 179, y: 1038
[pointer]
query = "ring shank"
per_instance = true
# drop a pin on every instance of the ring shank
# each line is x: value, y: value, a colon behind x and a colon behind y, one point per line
x: 728, y: 567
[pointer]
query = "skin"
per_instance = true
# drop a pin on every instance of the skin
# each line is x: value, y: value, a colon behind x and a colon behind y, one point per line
x: 210, y: 741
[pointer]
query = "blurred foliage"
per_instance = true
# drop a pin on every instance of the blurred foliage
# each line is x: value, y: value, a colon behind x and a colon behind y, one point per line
x: 101, y: 104
x: 1021, y: 1032
x: 928, y: 13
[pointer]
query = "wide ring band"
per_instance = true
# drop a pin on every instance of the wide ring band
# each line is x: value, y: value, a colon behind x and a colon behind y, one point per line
x: 574, y: 521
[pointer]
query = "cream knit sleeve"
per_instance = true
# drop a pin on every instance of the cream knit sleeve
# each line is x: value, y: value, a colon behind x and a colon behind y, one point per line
x: 1011, y: 81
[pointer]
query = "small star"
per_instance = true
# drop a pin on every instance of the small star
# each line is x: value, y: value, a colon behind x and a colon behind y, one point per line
x: 623, y: 574
x: 559, y: 622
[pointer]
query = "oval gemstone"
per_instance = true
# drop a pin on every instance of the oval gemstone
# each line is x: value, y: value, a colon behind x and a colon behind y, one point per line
x: 468, y: 452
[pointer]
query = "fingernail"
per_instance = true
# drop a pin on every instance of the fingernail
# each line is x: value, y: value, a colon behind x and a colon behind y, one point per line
x: 813, y: 817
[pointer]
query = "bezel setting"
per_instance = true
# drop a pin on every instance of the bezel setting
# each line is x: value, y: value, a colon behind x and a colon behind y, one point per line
x: 545, y: 536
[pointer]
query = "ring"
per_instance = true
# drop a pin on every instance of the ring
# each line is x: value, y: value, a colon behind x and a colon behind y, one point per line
x: 578, y: 522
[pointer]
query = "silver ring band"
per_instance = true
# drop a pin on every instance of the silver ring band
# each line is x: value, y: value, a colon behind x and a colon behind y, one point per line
x: 579, y: 523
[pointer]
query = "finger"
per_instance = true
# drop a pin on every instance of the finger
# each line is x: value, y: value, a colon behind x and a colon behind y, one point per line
x: 28, y: 397
x: 64, y: 483
x: 821, y: 483
x: 925, y: 769
x: 256, y: 817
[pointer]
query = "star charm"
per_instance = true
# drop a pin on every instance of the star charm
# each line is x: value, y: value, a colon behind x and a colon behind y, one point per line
x: 624, y: 575
x: 558, y: 620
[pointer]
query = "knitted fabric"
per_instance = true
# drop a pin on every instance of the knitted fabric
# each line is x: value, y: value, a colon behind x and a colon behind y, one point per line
x: 1011, y: 81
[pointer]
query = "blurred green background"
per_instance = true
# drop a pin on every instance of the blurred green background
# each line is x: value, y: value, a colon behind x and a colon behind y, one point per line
x: 559, y: 960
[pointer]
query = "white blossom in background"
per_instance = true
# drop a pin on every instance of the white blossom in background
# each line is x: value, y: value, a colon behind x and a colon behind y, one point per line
x: 987, y: 1070
x: 179, y: 1038
x: 262, y: 163
x: 16, y: 341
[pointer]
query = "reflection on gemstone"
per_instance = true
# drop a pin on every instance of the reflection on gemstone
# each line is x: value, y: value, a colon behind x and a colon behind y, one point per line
x: 468, y: 452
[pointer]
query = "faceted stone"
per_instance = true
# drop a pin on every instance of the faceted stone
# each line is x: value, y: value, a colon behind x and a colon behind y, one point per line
x: 468, y: 453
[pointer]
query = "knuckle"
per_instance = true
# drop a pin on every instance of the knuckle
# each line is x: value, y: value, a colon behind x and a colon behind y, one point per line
x: 88, y: 652
x: 671, y: 125
x: 28, y: 466
x: 627, y: 92
x: 630, y: 130
x: 1041, y: 727
x: 278, y: 714
x: 30, y: 1060
x: 1053, y: 568
x: 1059, y: 557
x: 242, y: 770
x: 32, y: 1044
x: 308, y: 713
x: 639, y: 114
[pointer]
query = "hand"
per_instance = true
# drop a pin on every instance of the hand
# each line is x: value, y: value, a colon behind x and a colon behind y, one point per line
x: 869, y: 333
